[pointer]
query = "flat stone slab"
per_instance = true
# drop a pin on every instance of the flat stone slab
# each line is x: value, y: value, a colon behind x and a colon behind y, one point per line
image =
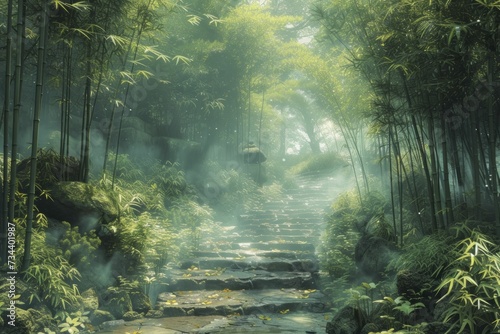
x: 177, y: 325
x: 252, y: 263
x: 242, y: 302
x: 268, y: 245
x: 220, y: 279
x: 261, y: 253
x: 246, y: 237
x: 290, y: 322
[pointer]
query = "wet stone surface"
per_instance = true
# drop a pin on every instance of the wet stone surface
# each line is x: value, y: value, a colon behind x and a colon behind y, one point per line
x: 258, y: 277
x: 295, y: 322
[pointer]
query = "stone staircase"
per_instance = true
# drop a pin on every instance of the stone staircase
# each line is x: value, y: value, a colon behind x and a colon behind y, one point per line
x: 262, y: 264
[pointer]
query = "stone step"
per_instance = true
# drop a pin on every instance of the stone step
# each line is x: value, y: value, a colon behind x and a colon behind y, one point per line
x: 251, y: 263
x: 240, y: 302
x: 313, y: 199
x: 269, y: 246
x: 286, y: 221
x: 293, y: 214
x: 260, y: 253
x: 274, y: 230
x: 196, y: 279
x: 243, y: 237
x: 285, y: 230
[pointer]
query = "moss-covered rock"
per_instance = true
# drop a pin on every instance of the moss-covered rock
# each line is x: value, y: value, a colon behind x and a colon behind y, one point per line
x: 98, y: 317
x: 373, y: 254
x: 80, y: 204
x: 42, y: 318
x: 90, y: 300
x: 24, y: 322
x: 117, y: 302
x: 140, y: 302
x: 132, y: 315
x: 155, y: 313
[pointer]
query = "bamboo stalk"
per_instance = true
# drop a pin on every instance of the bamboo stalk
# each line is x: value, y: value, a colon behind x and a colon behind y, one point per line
x: 6, y: 114
x: 30, y: 203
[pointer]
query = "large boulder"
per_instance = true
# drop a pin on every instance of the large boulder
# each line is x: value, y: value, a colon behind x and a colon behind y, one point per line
x: 117, y: 302
x: 98, y: 317
x: 80, y: 204
x: 372, y: 255
x: 140, y: 302
x: 90, y: 300
x: 24, y: 322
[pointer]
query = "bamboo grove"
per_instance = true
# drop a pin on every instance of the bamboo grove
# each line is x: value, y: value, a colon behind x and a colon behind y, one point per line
x: 107, y: 75
x: 432, y: 69
x: 414, y: 81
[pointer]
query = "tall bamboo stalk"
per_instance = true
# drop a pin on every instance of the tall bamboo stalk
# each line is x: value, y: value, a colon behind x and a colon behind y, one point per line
x: 6, y: 115
x: 493, y: 128
x: 476, y: 177
x: 391, y: 182
x: 449, y: 214
x: 30, y: 203
x: 139, y: 36
x: 17, y: 107
x: 425, y: 164
x: 435, y: 172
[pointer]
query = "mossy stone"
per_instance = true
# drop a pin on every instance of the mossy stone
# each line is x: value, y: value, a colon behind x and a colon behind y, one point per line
x: 132, y: 315
x: 140, y: 302
x: 99, y: 316
x: 90, y: 300
x: 80, y: 204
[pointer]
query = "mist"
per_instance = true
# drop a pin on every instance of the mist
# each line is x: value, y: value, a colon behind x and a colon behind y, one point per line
x: 256, y: 166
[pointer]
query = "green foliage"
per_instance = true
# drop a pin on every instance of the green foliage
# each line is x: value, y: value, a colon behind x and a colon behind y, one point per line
x: 124, y: 284
x: 74, y: 323
x: 161, y: 216
x: 129, y: 238
x: 471, y: 285
x: 79, y: 249
x: 51, y: 278
x: 429, y: 255
x: 318, y: 163
x: 362, y: 298
x: 234, y: 190
x: 344, y: 227
x: 189, y: 218
x: 51, y: 168
x: 402, y: 311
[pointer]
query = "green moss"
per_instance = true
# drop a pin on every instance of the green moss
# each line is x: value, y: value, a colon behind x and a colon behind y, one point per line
x: 317, y: 163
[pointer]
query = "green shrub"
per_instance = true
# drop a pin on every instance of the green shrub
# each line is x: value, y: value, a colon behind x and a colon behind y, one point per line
x: 345, y: 226
x: 471, y: 285
x: 317, y: 163
x: 428, y: 256
x: 51, y: 278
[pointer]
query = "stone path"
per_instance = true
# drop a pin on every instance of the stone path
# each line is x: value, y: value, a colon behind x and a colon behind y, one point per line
x: 260, y: 276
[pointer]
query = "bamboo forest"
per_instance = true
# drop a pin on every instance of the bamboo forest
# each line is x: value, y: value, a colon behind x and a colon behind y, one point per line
x: 250, y: 166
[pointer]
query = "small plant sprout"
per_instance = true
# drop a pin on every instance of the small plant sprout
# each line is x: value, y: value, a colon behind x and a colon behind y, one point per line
x: 72, y: 325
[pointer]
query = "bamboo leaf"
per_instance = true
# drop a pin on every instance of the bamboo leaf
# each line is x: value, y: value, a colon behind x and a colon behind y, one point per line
x: 183, y: 59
